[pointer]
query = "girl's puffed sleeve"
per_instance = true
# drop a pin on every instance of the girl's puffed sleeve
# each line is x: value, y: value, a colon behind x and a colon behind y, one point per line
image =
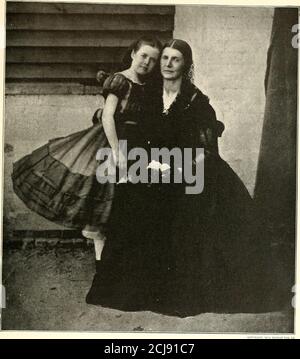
x: 116, y: 84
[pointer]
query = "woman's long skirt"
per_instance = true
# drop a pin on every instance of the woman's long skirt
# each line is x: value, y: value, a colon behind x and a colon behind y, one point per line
x: 182, y: 255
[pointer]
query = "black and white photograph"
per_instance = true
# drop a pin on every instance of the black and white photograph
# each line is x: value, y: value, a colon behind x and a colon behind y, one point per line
x: 149, y: 180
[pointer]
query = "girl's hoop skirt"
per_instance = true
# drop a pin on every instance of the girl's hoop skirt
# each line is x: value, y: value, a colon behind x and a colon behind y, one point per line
x: 58, y: 180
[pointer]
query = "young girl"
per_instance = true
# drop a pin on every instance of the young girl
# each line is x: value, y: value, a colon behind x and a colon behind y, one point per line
x: 58, y: 180
x: 123, y: 110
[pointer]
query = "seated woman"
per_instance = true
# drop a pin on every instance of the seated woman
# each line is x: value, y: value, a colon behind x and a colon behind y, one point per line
x: 213, y: 261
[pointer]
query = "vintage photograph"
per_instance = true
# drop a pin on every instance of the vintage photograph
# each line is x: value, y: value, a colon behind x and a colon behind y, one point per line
x: 149, y: 180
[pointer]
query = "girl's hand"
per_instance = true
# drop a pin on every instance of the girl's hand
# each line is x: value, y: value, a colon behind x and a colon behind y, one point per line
x: 120, y: 159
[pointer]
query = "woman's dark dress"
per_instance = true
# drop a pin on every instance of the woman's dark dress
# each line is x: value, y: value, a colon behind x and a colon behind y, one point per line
x: 180, y: 254
x: 215, y: 260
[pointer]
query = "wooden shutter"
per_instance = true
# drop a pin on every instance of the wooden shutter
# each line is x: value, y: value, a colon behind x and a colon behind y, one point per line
x: 64, y: 42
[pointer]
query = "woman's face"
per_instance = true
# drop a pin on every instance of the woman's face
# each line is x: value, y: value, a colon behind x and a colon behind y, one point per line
x: 171, y: 64
x: 144, y: 60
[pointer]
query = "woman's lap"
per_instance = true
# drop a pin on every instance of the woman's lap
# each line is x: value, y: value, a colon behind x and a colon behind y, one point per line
x: 202, y: 265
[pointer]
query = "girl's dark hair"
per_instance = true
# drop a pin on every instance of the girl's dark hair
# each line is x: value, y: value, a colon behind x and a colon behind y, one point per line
x: 136, y: 45
x: 126, y: 62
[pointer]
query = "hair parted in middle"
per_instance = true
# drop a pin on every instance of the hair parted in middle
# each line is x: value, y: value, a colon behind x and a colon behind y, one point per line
x: 185, y: 49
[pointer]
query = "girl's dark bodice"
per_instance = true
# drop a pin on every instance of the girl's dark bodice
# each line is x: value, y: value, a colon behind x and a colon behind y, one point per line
x: 130, y: 109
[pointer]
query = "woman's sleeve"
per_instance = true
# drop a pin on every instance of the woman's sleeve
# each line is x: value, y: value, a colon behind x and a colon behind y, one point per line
x: 217, y: 126
x: 116, y: 84
x: 210, y: 130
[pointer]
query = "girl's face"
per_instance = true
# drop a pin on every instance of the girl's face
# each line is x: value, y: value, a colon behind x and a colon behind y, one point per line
x: 144, y: 60
x: 171, y: 64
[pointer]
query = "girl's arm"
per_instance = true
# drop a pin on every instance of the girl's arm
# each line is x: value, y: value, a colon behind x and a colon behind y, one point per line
x: 108, y: 121
x: 109, y: 126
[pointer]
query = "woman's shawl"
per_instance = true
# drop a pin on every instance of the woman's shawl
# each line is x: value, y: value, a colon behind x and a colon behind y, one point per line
x: 199, y: 118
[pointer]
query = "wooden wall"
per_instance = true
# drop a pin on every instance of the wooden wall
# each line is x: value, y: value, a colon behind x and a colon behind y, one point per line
x: 63, y: 42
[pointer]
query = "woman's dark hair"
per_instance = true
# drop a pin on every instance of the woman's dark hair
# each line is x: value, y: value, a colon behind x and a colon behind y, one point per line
x: 136, y: 45
x: 185, y: 49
